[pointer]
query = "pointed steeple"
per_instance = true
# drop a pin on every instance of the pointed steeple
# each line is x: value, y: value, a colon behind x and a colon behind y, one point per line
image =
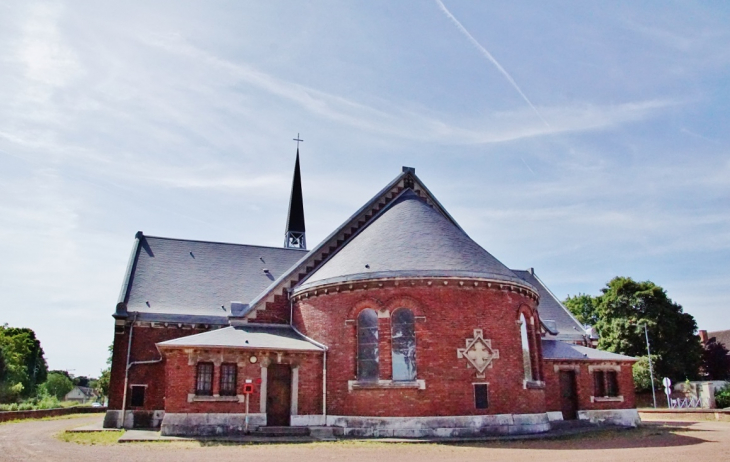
x: 295, y: 230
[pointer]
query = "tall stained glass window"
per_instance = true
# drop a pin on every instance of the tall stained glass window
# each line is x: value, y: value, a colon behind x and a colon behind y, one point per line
x: 403, y: 345
x: 368, y: 368
x: 526, y: 357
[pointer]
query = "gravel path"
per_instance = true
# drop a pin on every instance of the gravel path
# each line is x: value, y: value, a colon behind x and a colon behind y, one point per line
x: 36, y: 441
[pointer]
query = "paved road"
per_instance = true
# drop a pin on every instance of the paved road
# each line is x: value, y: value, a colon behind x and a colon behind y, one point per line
x: 35, y: 440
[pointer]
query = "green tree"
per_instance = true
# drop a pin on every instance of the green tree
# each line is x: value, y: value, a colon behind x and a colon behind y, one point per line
x: 583, y: 307
x: 58, y: 385
x: 623, y: 309
x: 25, y: 366
x: 642, y: 374
x: 102, y: 384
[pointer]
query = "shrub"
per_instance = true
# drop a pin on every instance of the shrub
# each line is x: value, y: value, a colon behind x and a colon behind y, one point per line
x: 722, y: 397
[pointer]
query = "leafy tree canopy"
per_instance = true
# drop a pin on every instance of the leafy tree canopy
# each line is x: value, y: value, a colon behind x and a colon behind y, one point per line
x: 58, y: 385
x: 621, y: 312
x: 583, y: 307
x: 24, y: 364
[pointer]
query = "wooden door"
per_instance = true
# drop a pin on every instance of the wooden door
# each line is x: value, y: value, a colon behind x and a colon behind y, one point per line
x: 278, y: 395
x: 568, y: 395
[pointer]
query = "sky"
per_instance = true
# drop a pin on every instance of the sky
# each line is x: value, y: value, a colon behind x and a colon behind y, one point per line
x: 585, y: 139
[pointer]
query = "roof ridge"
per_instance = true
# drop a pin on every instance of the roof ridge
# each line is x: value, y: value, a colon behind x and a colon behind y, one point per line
x: 224, y: 243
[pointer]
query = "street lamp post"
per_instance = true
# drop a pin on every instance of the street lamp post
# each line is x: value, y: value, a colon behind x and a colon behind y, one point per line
x: 651, y: 368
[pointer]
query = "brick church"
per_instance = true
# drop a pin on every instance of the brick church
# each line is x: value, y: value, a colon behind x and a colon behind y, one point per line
x: 396, y: 324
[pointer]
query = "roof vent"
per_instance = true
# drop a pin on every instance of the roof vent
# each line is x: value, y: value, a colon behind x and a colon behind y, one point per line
x: 266, y: 270
x: 191, y: 254
x: 367, y: 266
x: 262, y: 259
x: 148, y: 303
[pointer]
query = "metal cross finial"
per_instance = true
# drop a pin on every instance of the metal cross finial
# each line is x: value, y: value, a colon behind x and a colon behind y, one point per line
x: 298, y: 140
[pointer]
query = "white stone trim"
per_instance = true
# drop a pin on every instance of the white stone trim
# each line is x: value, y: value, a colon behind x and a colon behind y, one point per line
x: 385, y: 384
x: 262, y: 392
x: 607, y: 399
x: 294, y: 390
x: 192, y: 398
x: 566, y: 367
x: 605, y: 367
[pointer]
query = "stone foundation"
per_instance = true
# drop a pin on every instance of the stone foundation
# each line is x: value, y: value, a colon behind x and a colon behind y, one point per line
x: 621, y: 417
x: 133, y: 419
x: 211, y: 424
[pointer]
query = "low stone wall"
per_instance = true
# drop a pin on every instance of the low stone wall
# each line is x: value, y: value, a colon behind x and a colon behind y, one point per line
x: 451, y: 426
x: 211, y: 424
x: 620, y: 417
x: 6, y: 416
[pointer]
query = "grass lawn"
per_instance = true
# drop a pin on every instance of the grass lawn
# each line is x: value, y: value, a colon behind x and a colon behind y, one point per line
x: 91, y: 438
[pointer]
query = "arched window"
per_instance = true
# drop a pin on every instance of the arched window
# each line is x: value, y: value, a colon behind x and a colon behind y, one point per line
x: 403, y: 345
x: 368, y: 368
x: 526, y: 357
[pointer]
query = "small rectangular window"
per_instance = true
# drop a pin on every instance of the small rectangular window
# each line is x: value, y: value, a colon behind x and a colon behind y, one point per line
x: 599, y: 383
x: 204, y: 379
x: 481, y: 398
x: 228, y: 379
x: 137, y: 398
x: 611, y: 383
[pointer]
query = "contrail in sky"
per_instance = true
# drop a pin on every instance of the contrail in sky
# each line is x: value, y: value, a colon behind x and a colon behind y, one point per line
x: 489, y: 57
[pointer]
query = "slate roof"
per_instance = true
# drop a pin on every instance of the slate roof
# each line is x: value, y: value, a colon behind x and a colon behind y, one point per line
x: 552, y: 312
x: 555, y: 349
x: 722, y: 336
x: 343, y: 235
x: 409, y: 238
x: 251, y: 336
x: 175, y: 279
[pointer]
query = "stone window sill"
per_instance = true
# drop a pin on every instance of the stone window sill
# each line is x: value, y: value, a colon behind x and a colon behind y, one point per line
x: 533, y: 384
x: 607, y: 399
x: 385, y: 384
x: 193, y: 398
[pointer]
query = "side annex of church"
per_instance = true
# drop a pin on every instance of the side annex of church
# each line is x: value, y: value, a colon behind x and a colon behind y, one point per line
x: 396, y: 324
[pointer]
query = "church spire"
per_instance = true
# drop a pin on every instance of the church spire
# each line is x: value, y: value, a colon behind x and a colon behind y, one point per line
x: 295, y: 231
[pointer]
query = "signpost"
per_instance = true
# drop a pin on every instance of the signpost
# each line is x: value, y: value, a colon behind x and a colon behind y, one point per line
x: 668, y: 390
x: 248, y: 389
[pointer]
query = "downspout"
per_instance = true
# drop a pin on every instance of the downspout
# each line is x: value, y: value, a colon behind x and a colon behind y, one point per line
x: 324, y: 356
x: 126, y: 370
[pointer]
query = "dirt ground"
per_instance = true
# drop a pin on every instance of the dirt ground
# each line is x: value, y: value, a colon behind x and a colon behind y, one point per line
x: 675, y: 441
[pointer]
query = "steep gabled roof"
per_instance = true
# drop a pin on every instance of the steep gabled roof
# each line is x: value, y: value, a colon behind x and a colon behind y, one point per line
x: 553, y: 314
x: 315, y: 257
x: 409, y: 238
x: 184, y: 280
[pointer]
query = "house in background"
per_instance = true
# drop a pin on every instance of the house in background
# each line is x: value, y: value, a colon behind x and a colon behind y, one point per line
x: 81, y: 395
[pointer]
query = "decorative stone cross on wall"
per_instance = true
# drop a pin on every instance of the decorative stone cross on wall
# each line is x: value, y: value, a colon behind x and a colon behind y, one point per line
x: 478, y: 352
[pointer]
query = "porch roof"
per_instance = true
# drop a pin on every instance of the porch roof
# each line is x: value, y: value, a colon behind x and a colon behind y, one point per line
x: 557, y: 350
x: 262, y: 337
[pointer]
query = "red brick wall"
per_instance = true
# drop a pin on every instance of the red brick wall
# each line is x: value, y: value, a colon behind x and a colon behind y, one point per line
x: 451, y: 315
x: 143, y: 349
x: 180, y: 381
x: 276, y: 311
x: 584, y: 385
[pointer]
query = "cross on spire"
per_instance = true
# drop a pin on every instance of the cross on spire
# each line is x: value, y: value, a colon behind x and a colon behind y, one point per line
x: 298, y: 140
